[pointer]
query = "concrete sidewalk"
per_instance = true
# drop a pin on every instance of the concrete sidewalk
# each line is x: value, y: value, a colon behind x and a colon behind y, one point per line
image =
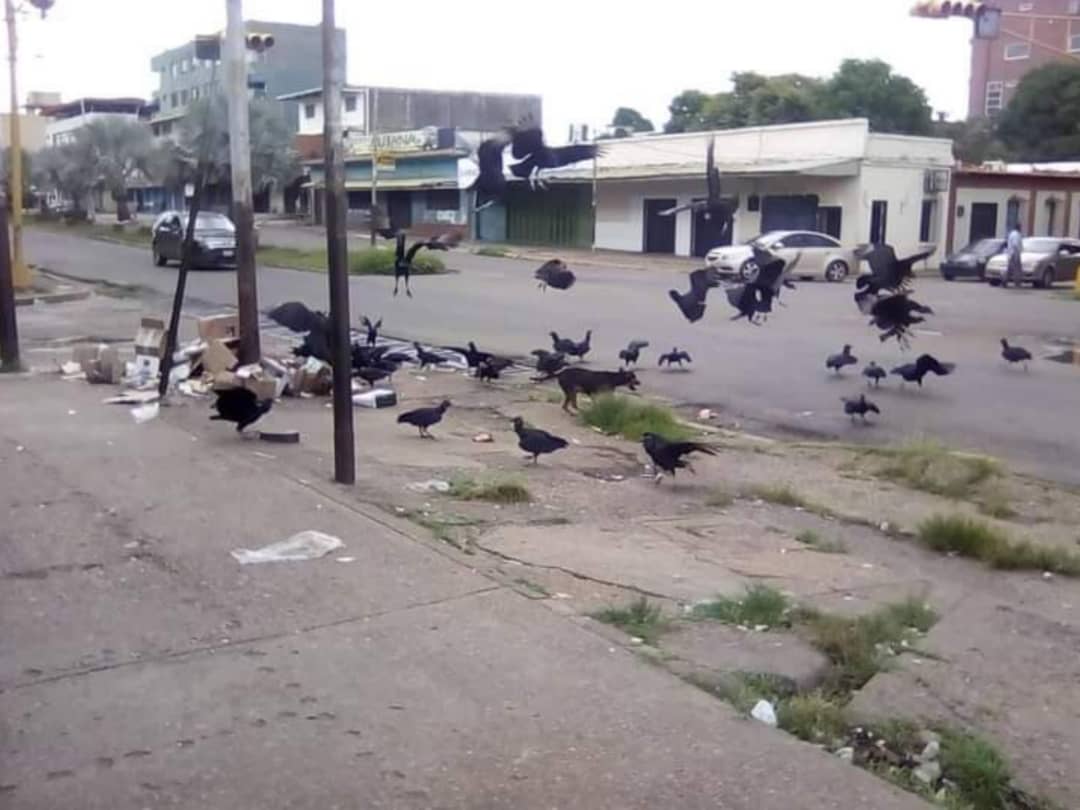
x: 141, y: 666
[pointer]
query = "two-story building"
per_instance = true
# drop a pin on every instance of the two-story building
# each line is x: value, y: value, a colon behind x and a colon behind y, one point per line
x: 405, y: 143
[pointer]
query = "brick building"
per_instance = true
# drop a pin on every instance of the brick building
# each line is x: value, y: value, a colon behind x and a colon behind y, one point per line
x: 1033, y: 33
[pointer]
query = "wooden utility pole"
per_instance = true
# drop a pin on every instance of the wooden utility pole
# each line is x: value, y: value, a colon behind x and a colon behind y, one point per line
x: 20, y: 273
x: 337, y: 253
x: 247, y: 299
x: 9, y: 331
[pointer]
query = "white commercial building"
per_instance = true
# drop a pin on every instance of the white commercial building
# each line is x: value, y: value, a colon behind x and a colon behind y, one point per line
x: 837, y: 177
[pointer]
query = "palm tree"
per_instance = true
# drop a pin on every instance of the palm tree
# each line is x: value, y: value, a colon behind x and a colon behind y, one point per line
x: 118, y: 151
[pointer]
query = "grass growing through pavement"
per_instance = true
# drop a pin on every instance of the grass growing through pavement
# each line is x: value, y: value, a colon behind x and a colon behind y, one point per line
x: 631, y: 418
x: 720, y: 498
x: 779, y: 494
x: 858, y: 647
x: 493, y: 490
x: 931, y: 467
x: 967, y: 537
x: 980, y: 773
x: 813, y: 717
x: 759, y: 606
x: 818, y: 543
x: 641, y: 618
x: 743, y: 689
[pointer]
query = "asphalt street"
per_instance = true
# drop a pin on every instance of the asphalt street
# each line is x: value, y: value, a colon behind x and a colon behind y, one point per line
x: 766, y: 378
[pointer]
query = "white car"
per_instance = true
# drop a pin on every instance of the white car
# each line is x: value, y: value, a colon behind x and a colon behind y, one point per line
x: 821, y: 256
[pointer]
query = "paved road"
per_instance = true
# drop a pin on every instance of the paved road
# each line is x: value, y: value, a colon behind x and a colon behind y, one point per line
x: 770, y: 377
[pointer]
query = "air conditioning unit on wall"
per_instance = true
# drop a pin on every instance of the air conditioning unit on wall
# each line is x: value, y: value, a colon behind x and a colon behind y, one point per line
x: 935, y: 180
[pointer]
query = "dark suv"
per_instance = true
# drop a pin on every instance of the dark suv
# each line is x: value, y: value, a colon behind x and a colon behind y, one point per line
x: 215, y: 239
x: 970, y: 261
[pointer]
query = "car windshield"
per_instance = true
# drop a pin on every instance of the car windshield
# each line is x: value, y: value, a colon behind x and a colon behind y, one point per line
x: 984, y: 247
x: 1040, y: 245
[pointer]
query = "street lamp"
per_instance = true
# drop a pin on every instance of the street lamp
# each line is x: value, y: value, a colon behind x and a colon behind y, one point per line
x: 19, y: 272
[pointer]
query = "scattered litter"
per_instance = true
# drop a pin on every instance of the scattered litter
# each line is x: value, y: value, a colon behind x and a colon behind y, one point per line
x: 760, y: 628
x: 72, y: 412
x: 149, y: 348
x: 575, y: 441
x: 884, y: 526
x: 306, y: 545
x: 70, y: 368
x: 806, y: 413
x: 930, y: 752
x: 264, y: 455
x: 867, y: 565
x: 1047, y: 575
x: 179, y: 373
x: 483, y: 438
x: 561, y: 595
x: 219, y: 327
x: 280, y: 437
x: 705, y: 414
x: 401, y: 510
x: 218, y: 358
x: 420, y: 377
x: 636, y: 641
x: 19, y: 448
x: 144, y: 413
x: 376, y: 398
x: 847, y: 753
x: 764, y: 712
x: 431, y: 485
x: 928, y: 773
x: 132, y: 544
x: 132, y: 398
x: 346, y: 559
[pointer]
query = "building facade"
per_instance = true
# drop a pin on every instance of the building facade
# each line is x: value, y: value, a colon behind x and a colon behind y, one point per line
x: 407, y: 143
x: 64, y: 119
x: 1033, y: 33
x: 292, y: 64
x: 831, y: 176
x: 985, y: 201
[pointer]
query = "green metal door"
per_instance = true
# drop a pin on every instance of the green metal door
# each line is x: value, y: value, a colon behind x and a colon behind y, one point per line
x: 561, y: 215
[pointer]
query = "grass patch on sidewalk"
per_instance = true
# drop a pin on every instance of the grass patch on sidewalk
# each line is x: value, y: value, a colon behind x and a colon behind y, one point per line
x: 931, y: 467
x: 117, y: 232
x: 760, y: 606
x: 813, y: 540
x: 967, y: 537
x: 631, y: 418
x: 641, y: 618
x: 498, y: 490
x: 493, y: 252
x: 367, y: 262
x: 813, y: 717
x: 858, y: 647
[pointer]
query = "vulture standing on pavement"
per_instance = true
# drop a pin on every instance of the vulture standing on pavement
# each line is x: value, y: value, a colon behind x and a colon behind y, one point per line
x: 240, y: 405
x: 424, y: 418
x: 667, y: 456
x: 555, y: 274
x: 536, y: 442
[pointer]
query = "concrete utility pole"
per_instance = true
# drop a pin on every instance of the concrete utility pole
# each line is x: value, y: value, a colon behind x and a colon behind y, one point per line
x: 9, y: 330
x: 337, y: 253
x: 20, y: 273
x: 236, y: 90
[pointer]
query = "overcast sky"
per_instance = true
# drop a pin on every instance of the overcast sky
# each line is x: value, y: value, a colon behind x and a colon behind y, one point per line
x: 585, y: 58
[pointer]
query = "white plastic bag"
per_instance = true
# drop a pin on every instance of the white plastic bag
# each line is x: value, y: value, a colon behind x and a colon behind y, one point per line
x: 764, y: 711
x: 307, y: 545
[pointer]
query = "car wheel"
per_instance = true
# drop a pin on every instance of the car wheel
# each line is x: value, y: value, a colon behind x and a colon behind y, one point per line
x: 995, y: 282
x: 947, y: 275
x: 748, y: 271
x: 159, y: 260
x: 1046, y: 281
x: 836, y: 271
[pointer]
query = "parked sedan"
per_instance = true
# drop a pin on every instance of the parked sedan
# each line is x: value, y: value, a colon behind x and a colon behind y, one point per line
x: 1045, y: 260
x: 215, y: 239
x: 821, y: 256
x: 970, y: 261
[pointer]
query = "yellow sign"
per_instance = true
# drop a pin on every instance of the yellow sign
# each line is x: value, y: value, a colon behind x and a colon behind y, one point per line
x: 385, y: 162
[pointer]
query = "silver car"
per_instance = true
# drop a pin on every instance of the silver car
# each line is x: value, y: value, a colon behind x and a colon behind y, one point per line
x: 820, y: 256
x: 1045, y: 260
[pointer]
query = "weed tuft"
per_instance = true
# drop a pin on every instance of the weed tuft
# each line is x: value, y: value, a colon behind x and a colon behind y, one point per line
x: 931, y: 467
x: 719, y: 498
x: 980, y: 773
x: 743, y: 689
x: 956, y: 534
x: 814, y: 717
x: 632, y: 418
x: 760, y: 605
x: 641, y: 618
x: 491, y: 250
x: 815, y: 541
x: 779, y: 494
x: 492, y: 490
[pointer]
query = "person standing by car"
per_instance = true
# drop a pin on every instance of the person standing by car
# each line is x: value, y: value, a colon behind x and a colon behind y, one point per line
x: 1014, y: 270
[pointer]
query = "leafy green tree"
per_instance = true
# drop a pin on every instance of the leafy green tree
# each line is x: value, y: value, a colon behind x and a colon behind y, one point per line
x: 118, y: 152
x: 870, y: 89
x: 627, y: 121
x: 68, y: 170
x: 686, y: 112
x: 1042, y: 119
x: 974, y: 141
x: 205, y: 130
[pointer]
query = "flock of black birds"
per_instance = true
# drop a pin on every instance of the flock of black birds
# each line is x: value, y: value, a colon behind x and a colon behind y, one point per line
x: 884, y: 293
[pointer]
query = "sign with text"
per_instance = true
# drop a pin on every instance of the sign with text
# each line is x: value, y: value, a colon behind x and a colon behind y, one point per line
x: 413, y: 140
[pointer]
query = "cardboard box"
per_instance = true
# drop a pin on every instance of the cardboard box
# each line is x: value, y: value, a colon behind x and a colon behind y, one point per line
x: 150, y: 338
x: 218, y: 358
x: 219, y: 327
x: 263, y: 387
x: 226, y: 379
